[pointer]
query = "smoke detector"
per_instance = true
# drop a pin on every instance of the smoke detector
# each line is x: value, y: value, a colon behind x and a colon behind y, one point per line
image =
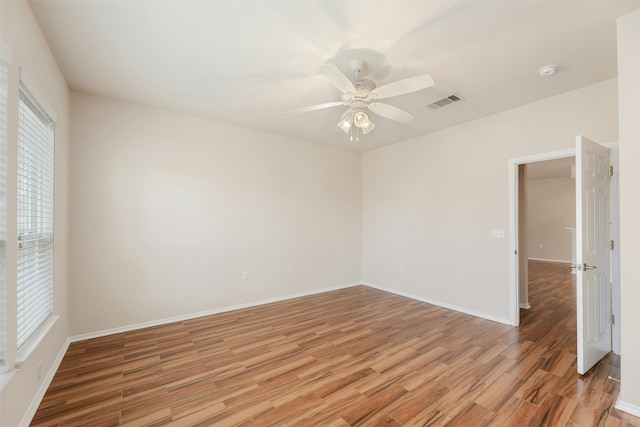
x: 548, y: 70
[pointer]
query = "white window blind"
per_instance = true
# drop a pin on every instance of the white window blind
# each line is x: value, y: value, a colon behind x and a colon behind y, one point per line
x: 4, y: 93
x: 35, y: 215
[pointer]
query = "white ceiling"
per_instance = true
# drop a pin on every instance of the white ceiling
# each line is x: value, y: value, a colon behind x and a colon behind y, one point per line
x: 247, y: 62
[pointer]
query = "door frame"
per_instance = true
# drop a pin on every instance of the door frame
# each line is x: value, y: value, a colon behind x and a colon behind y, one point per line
x: 514, y: 291
x: 514, y: 224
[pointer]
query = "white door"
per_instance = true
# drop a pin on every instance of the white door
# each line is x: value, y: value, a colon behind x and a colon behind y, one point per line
x: 592, y: 251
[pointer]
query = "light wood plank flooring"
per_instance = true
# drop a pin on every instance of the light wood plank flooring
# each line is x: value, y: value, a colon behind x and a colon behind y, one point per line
x: 357, y: 356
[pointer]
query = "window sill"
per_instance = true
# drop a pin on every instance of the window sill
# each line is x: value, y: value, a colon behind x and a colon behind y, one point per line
x: 34, y: 340
x: 5, y: 378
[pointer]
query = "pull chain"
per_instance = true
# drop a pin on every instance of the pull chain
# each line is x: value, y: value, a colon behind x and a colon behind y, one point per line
x: 357, y: 134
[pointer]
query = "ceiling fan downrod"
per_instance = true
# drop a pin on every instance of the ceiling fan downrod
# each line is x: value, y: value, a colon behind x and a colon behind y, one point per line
x: 358, y: 65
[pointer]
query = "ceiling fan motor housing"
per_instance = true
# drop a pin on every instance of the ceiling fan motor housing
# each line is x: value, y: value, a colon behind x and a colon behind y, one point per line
x: 362, y: 94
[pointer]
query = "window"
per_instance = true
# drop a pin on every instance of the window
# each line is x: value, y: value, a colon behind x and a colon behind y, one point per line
x: 35, y: 215
x: 4, y: 93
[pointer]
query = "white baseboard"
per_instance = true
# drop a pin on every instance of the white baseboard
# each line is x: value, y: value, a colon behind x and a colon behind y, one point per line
x: 628, y: 408
x: 442, y: 304
x: 35, y: 402
x: 134, y: 327
x: 564, y: 261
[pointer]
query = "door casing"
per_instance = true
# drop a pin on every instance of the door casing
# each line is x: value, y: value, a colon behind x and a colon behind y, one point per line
x: 514, y: 296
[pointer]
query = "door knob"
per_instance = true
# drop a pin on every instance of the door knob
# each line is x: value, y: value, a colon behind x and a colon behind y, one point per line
x: 583, y: 267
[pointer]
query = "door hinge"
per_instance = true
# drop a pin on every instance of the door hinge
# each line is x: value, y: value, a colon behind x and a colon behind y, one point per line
x: 613, y: 319
x: 610, y: 170
x: 611, y: 245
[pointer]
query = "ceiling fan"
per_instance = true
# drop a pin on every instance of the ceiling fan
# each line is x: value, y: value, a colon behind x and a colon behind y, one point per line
x: 363, y: 94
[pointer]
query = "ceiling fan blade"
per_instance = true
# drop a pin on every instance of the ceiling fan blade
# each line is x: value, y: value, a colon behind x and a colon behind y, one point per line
x: 338, y: 78
x: 412, y: 84
x: 390, y: 112
x: 315, y: 107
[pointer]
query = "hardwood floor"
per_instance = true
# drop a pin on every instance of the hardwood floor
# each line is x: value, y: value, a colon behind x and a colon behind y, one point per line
x: 357, y: 356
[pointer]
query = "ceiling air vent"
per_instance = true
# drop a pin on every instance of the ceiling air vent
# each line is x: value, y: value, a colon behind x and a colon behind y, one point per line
x: 445, y: 101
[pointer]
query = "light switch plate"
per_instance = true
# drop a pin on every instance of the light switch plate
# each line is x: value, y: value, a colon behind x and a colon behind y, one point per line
x: 496, y: 234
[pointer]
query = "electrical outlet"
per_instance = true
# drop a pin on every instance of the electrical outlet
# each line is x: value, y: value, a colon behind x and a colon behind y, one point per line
x: 39, y: 373
x: 401, y: 268
x: 292, y: 269
x: 245, y: 275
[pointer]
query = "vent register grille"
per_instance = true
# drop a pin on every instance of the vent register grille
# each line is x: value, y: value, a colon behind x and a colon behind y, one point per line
x: 445, y: 101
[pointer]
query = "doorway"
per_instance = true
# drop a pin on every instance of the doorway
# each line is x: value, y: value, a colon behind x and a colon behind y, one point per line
x: 547, y: 213
x: 520, y: 245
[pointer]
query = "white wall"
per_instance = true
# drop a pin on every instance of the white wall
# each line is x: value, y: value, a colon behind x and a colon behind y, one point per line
x: 629, y: 125
x: 21, y: 34
x: 169, y: 210
x: 429, y: 203
x: 551, y: 209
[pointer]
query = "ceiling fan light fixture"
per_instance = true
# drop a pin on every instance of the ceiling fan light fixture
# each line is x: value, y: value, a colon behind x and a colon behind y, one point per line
x: 344, y: 125
x: 367, y: 127
x: 361, y: 120
x: 346, y: 121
